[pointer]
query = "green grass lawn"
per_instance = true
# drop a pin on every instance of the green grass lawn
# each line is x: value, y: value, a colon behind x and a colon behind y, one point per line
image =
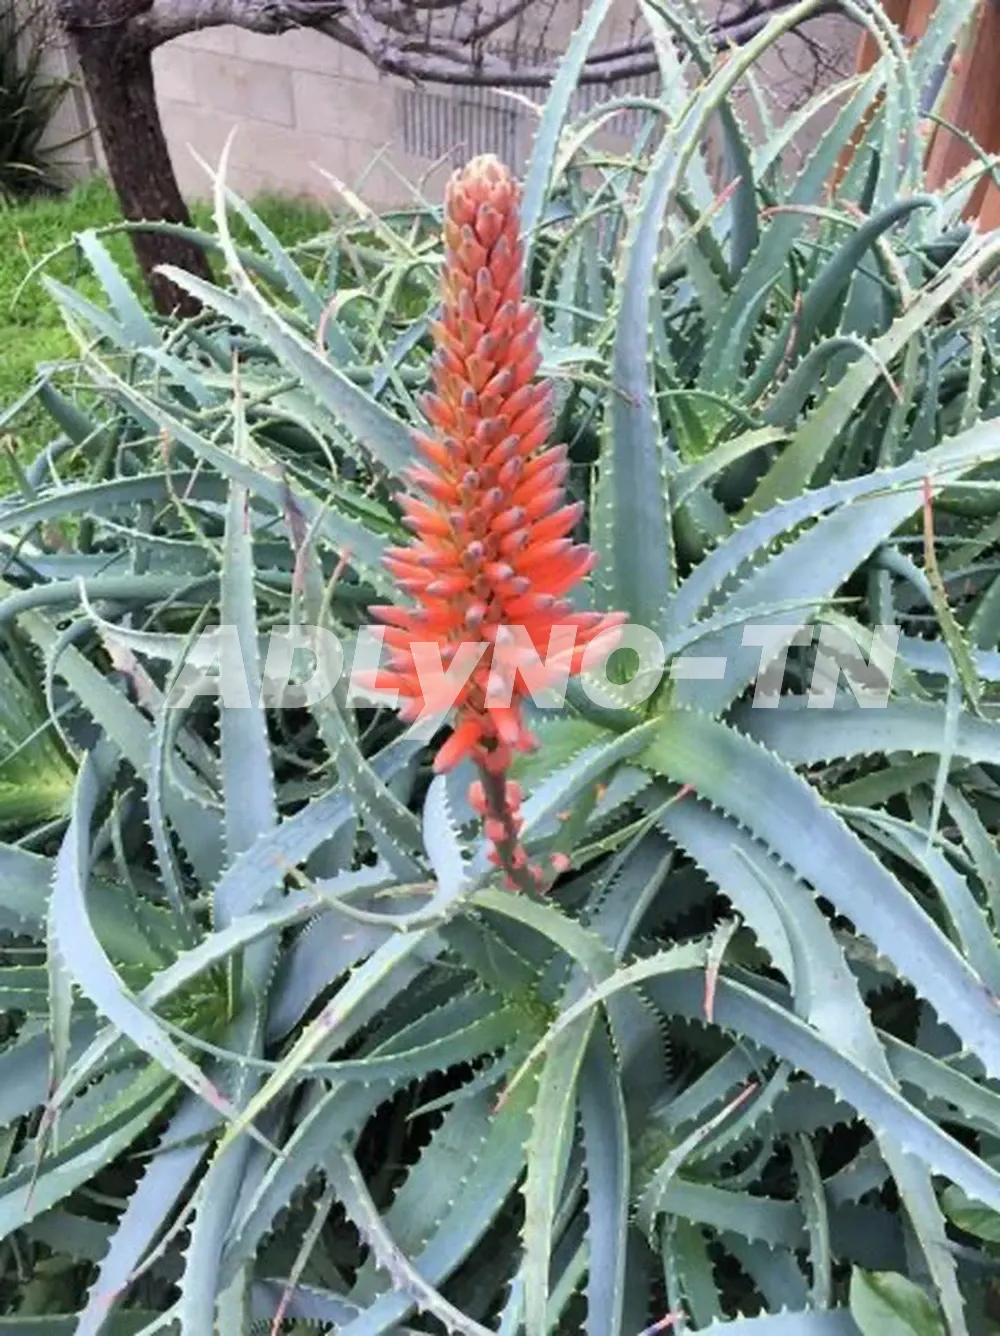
x: 31, y: 328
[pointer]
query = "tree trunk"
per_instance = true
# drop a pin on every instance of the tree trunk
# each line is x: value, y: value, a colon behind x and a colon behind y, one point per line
x: 118, y: 73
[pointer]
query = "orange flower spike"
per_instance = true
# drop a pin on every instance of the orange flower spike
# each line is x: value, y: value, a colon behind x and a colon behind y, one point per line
x: 492, y: 529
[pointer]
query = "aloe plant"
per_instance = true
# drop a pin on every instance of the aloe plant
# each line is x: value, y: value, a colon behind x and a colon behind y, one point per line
x: 283, y: 1052
x: 30, y: 97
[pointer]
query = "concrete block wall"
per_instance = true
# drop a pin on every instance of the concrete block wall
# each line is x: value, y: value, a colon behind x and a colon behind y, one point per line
x: 301, y: 105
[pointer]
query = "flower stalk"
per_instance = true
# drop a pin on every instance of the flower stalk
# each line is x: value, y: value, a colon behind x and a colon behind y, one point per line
x: 492, y: 559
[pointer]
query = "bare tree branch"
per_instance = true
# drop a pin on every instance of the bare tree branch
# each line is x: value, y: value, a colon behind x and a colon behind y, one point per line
x: 480, y: 29
x: 166, y: 19
x: 409, y: 38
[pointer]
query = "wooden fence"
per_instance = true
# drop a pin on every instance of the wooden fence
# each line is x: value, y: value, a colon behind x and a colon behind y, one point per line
x: 973, y: 101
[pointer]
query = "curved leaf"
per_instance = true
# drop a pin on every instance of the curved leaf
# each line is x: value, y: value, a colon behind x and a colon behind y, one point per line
x: 780, y: 809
